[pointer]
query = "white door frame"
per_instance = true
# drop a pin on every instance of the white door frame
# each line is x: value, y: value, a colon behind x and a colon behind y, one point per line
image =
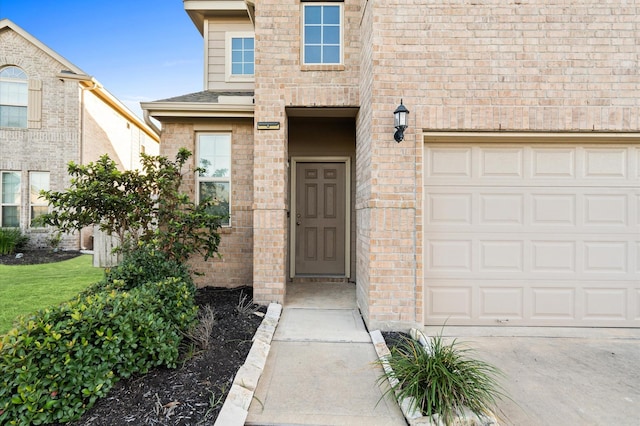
x: 347, y: 216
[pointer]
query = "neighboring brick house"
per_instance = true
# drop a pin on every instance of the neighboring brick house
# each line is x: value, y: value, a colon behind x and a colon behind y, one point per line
x: 514, y: 198
x: 52, y: 113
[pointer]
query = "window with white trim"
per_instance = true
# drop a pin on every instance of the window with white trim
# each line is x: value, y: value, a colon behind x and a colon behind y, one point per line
x: 240, y: 56
x: 322, y: 33
x: 9, y: 199
x: 38, y: 206
x: 14, y: 95
x: 214, y: 181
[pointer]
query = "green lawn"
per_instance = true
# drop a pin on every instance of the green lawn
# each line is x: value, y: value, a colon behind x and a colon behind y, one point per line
x: 25, y: 289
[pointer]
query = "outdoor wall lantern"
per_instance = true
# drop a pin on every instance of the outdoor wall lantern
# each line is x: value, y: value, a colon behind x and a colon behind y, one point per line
x: 400, y: 121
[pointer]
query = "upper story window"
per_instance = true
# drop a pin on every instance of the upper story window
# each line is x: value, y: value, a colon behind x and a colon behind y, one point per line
x: 14, y: 94
x: 322, y: 33
x: 240, y: 56
x: 214, y: 183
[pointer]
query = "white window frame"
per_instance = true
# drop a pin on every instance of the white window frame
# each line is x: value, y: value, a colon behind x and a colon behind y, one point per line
x: 225, y: 179
x: 2, y: 203
x: 229, y: 77
x: 23, y: 106
x: 302, y: 36
x: 40, y: 202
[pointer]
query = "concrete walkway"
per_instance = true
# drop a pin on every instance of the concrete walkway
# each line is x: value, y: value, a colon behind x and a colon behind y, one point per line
x: 319, y: 370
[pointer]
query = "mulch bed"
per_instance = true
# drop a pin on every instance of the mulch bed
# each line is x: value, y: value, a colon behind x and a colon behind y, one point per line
x: 192, y: 393
x: 34, y: 257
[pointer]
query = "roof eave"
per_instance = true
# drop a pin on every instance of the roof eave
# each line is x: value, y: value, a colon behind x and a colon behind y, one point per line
x: 159, y: 110
x: 198, y: 10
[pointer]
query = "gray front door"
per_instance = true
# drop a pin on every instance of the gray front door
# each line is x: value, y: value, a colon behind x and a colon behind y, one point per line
x: 320, y: 219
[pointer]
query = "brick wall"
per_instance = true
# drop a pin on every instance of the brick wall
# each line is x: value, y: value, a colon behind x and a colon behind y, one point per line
x: 282, y: 81
x: 234, y: 268
x: 363, y: 162
x: 495, y: 65
x: 62, y: 131
x: 490, y: 65
x: 57, y: 140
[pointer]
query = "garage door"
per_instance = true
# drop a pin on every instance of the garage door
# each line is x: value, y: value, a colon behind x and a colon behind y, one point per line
x: 535, y: 235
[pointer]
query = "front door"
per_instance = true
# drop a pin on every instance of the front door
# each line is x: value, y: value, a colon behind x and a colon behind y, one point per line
x: 320, y: 218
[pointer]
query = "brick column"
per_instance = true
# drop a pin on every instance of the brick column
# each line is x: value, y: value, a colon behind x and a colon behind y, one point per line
x: 269, y: 206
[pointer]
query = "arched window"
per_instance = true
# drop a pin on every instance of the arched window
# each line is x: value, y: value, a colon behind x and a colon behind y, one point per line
x: 14, y: 95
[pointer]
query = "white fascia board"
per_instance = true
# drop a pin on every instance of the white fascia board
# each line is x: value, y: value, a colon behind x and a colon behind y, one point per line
x: 199, y: 10
x: 213, y: 5
x: 197, y: 110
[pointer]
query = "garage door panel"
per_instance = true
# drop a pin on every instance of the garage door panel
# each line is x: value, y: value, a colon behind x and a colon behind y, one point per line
x: 605, y: 163
x: 553, y: 256
x: 532, y: 235
x: 501, y: 256
x: 540, y: 255
x: 606, y: 209
x: 553, y: 304
x: 556, y: 163
x: 501, y: 162
x: 501, y: 303
x: 553, y: 209
x: 515, y: 302
x: 605, y: 303
x: 449, y: 208
x: 534, y: 209
x: 449, y: 162
x: 605, y: 257
x: 449, y: 302
x: 541, y: 165
x: 502, y: 209
x: 449, y: 255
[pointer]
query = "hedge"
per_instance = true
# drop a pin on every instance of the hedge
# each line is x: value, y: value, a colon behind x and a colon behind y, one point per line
x: 55, y: 364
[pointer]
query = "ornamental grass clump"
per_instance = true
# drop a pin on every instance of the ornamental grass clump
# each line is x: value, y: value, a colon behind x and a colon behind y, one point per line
x: 11, y: 240
x: 442, y: 379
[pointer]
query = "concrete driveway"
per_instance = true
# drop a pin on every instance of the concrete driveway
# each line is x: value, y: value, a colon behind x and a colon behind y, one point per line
x: 562, y: 376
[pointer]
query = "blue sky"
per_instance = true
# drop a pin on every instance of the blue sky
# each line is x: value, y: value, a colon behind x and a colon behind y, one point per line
x: 140, y: 50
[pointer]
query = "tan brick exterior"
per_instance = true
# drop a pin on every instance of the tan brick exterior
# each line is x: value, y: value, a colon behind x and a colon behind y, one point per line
x: 234, y: 267
x: 487, y: 66
x: 281, y: 81
x: 552, y: 66
x: 529, y: 66
x: 74, y: 125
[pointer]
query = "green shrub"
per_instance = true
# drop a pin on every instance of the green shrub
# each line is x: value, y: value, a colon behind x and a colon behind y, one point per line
x: 442, y: 379
x: 139, y: 267
x: 57, y: 363
x: 138, y: 206
x: 12, y: 240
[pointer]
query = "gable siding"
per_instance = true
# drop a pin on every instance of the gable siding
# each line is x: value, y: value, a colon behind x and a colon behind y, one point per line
x: 217, y: 28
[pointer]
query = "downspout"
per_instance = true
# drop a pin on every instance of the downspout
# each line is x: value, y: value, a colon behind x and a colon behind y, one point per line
x: 147, y: 120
